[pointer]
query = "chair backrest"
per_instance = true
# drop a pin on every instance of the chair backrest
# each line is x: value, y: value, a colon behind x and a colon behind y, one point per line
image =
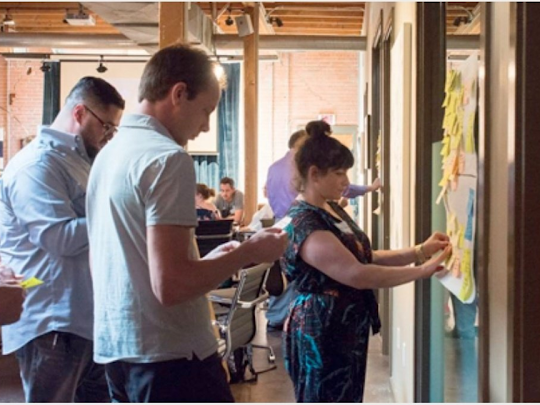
x: 241, y: 322
x: 275, y: 282
x: 211, y: 234
x: 214, y: 227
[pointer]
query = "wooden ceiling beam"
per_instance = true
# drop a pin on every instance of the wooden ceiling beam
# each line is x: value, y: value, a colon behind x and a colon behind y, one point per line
x: 319, y: 31
x: 315, y: 5
x: 316, y: 14
x: 66, y: 30
x: 295, y: 20
x: 322, y: 22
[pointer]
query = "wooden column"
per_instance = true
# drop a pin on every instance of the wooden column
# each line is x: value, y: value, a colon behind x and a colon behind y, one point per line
x: 251, y: 78
x: 172, y: 23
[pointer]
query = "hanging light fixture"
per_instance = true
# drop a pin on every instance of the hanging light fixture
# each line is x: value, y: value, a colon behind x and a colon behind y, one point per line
x: 101, y: 68
x: 229, y: 21
x: 8, y: 21
x: 45, y: 67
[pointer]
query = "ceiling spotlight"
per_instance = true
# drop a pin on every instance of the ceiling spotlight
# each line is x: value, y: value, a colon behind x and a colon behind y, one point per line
x: 45, y: 67
x: 461, y: 20
x: 275, y: 21
x: 101, y: 68
x: 466, y: 19
x: 8, y: 21
x: 229, y: 21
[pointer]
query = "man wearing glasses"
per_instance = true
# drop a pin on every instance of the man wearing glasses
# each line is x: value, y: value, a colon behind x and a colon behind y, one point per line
x: 43, y: 234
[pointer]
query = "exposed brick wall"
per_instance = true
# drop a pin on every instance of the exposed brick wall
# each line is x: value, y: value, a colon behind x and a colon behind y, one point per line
x: 292, y: 91
x: 295, y: 90
x: 3, y: 100
x: 24, y: 102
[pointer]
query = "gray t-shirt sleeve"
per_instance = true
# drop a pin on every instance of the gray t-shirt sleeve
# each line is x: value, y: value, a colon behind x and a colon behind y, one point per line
x: 170, y: 196
x: 219, y: 202
x: 238, y: 200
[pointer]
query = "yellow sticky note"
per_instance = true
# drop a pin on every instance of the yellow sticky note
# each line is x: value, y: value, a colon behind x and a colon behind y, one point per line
x: 467, y: 286
x: 469, y: 142
x: 461, y: 236
x: 445, y: 151
x: 31, y: 282
x: 446, y: 100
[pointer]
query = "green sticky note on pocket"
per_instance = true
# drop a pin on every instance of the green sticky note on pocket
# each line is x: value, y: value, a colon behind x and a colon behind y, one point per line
x: 31, y: 282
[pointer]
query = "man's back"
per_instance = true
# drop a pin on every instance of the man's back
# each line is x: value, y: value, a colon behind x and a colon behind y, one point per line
x: 279, y: 184
x: 43, y: 235
x: 127, y: 193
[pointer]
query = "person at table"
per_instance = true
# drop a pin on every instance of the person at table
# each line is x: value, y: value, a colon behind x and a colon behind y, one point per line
x: 206, y: 210
x: 230, y: 201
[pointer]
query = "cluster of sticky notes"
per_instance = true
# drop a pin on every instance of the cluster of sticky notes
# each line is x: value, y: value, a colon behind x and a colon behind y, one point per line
x: 31, y: 282
x: 453, y: 131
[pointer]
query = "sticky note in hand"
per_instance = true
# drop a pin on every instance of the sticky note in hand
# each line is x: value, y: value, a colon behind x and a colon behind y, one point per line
x: 31, y: 282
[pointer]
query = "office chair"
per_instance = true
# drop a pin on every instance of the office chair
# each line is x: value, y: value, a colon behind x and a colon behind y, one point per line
x: 211, y: 234
x: 237, y: 323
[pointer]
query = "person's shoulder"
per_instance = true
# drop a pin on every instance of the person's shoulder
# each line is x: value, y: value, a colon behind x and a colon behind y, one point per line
x: 30, y: 161
x: 301, y: 212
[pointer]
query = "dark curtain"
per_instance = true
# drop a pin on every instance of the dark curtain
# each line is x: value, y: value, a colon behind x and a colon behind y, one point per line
x: 207, y: 170
x: 210, y: 169
x: 51, y: 93
x: 228, y: 110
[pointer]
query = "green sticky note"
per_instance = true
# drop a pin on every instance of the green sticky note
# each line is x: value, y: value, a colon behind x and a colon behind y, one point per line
x: 31, y: 282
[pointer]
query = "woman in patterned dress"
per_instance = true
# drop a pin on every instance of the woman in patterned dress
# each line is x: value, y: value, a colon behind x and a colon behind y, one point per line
x: 334, y: 269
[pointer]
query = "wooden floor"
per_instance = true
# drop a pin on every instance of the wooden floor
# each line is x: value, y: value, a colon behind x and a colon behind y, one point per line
x: 273, y: 386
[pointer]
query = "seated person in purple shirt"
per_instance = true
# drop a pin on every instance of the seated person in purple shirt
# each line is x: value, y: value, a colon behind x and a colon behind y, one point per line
x: 281, y: 194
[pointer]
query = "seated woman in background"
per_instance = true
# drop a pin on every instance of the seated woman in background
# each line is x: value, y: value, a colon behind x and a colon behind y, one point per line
x: 334, y: 270
x: 205, y: 209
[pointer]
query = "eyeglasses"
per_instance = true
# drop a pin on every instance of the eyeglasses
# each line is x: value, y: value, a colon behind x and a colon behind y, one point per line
x: 108, y: 129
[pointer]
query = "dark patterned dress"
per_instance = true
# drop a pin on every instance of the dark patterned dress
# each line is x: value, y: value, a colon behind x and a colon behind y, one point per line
x: 204, y: 214
x: 326, y: 335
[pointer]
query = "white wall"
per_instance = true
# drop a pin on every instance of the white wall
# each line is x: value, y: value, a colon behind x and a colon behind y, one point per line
x: 497, y: 142
x: 125, y: 77
x: 402, y: 308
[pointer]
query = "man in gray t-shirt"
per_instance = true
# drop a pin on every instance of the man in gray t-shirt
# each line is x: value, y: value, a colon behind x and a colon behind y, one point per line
x: 152, y: 325
x: 230, y: 201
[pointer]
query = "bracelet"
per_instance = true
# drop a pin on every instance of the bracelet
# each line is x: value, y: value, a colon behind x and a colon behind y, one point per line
x: 420, y: 255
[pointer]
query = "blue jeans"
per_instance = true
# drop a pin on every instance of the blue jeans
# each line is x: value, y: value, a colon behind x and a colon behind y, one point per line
x: 179, y: 380
x: 278, y: 307
x: 58, y: 367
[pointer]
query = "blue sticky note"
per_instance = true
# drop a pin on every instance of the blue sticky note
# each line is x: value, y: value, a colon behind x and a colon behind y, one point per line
x: 470, y: 216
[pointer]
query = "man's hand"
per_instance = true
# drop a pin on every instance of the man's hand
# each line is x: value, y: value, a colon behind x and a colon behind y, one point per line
x: 267, y: 245
x: 221, y: 250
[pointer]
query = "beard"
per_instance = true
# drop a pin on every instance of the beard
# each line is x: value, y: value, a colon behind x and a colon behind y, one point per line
x: 91, y: 150
x: 89, y: 138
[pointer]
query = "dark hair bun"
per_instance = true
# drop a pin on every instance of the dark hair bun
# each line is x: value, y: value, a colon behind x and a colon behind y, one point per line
x: 318, y: 129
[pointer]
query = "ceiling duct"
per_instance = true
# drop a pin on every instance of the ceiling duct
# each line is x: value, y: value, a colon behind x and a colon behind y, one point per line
x: 100, y: 41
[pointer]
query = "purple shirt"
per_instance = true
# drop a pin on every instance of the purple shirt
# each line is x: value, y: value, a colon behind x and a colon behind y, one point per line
x: 280, y: 189
x: 279, y: 185
x: 355, y: 191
